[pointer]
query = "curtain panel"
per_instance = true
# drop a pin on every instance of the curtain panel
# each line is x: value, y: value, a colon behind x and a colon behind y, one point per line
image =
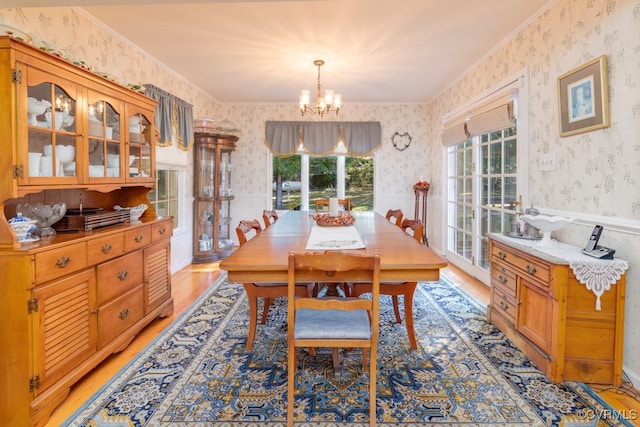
x: 172, y: 113
x: 321, y: 138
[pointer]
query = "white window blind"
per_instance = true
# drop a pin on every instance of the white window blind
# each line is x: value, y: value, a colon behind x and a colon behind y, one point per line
x: 455, y: 132
x: 494, y: 112
x: 493, y: 115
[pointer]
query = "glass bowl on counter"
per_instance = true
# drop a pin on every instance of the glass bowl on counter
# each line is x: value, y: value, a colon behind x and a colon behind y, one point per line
x: 45, y: 214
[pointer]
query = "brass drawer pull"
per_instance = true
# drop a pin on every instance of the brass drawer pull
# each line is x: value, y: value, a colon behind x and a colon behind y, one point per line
x: 123, y: 275
x: 123, y: 314
x: 63, y: 262
x: 504, y: 305
x: 162, y: 231
x: 106, y: 248
x: 502, y: 255
x: 531, y: 269
x: 502, y: 279
x: 138, y: 238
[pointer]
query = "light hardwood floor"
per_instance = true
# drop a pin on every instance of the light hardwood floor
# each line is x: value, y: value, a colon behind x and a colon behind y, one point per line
x: 190, y: 282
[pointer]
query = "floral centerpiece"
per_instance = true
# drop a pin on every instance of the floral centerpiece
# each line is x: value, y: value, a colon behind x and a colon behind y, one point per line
x: 326, y: 220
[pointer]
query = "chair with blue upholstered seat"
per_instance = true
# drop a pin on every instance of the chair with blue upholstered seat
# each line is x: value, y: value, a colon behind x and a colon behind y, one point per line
x: 333, y: 322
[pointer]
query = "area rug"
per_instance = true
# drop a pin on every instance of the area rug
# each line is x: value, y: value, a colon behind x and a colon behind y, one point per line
x: 465, y: 373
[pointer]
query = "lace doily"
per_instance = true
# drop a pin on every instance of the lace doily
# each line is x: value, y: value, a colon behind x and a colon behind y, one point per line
x: 596, y: 274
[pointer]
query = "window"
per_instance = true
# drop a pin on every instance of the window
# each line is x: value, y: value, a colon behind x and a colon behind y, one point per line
x: 486, y: 175
x: 165, y: 198
x: 301, y: 179
x: 498, y: 186
x: 490, y: 208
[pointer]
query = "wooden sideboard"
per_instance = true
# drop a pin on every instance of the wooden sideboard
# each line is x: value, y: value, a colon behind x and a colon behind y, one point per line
x: 538, y: 303
x: 70, y: 300
x: 69, y: 305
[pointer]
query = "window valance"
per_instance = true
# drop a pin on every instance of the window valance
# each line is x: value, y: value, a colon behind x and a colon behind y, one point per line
x: 174, y: 118
x: 359, y: 138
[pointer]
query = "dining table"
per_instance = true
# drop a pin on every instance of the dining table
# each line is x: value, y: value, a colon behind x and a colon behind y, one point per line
x: 264, y: 258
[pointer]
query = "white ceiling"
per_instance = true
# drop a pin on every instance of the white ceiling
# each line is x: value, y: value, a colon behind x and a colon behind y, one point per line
x: 375, y: 51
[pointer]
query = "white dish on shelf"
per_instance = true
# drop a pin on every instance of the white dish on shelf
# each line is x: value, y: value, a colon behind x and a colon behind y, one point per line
x: 96, y: 170
x: 113, y: 160
x: 106, y: 76
x: 6, y: 30
x: 136, y: 88
x: 29, y: 239
x: 66, y: 153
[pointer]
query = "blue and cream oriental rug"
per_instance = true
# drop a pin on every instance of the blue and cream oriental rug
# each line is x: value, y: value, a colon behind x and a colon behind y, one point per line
x: 465, y: 373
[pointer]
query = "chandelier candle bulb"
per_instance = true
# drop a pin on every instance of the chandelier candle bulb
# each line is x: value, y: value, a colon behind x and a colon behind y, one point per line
x: 333, y: 206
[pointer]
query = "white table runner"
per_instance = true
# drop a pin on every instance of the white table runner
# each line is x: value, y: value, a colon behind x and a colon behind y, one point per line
x: 334, y: 238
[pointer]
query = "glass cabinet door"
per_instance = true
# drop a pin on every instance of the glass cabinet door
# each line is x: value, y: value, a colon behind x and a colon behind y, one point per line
x: 204, y: 226
x: 225, y: 173
x: 140, y: 134
x: 225, y: 242
x: 51, y: 111
x: 206, y: 169
x: 105, y: 147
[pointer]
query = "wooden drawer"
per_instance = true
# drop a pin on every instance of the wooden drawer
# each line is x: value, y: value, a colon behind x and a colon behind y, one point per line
x: 522, y: 262
x: 119, y: 315
x: 60, y: 262
x: 105, y: 248
x: 504, y: 279
x: 504, y: 304
x: 162, y: 230
x: 137, y: 238
x: 118, y: 276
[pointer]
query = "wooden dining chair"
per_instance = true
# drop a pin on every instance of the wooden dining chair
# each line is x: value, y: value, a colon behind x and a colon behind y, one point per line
x: 268, y: 291
x: 414, y: 228
x: 269, y: 217
x: 333, y: 322
x: 395, y: 216
x: 323, y: 204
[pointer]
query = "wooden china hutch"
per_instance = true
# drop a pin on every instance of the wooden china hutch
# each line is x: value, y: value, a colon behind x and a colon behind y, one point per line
x: 71, y: 299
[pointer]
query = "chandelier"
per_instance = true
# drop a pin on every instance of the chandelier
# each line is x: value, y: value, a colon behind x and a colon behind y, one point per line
x: 330, y: 102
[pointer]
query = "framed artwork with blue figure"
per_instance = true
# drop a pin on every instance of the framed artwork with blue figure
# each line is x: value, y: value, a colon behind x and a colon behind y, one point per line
x: 583, y: 98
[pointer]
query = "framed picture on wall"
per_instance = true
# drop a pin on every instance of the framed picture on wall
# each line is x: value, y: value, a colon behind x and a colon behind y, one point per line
x: 583, y: 98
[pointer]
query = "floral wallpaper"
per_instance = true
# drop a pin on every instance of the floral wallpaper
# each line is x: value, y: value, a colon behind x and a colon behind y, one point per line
x: 596, y: 179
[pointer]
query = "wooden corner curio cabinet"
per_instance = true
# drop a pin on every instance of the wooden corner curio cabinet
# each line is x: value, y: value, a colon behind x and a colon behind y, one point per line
x: 212, y: 195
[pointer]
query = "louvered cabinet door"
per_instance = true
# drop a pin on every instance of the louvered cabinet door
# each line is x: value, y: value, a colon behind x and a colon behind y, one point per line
x: 64, y: 327
x: 157, y: 277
